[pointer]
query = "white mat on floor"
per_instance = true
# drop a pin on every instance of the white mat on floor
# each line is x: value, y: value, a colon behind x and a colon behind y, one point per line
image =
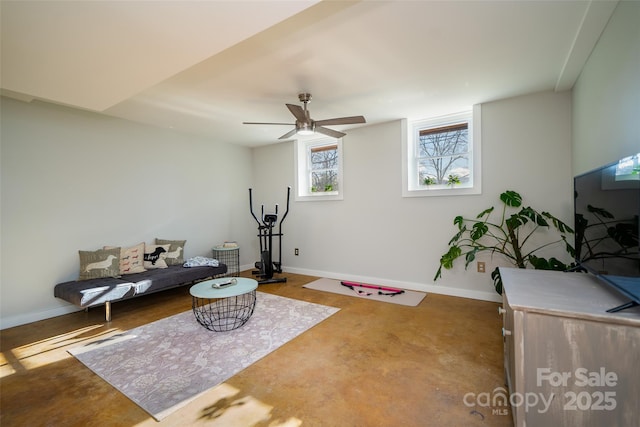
x: 411, y: 298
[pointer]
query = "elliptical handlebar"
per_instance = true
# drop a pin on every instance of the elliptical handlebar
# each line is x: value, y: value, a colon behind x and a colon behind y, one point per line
x: 287, y: 211
x: 270, y: 216
x: 251, y: 207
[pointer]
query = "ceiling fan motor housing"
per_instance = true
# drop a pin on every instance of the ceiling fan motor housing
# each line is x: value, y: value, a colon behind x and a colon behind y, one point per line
x: 306, y: 128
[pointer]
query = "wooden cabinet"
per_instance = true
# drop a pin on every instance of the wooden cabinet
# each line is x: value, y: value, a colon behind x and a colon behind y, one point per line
x: 567, y: 361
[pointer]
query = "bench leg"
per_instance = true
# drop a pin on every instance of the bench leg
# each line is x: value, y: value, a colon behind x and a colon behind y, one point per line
x: 107, y: 311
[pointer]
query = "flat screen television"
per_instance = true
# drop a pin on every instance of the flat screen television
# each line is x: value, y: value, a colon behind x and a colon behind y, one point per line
x: 606, y: 208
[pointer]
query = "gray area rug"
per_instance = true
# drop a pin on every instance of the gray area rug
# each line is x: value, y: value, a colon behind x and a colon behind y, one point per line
x: 164, y: 365
x: 411, y: 298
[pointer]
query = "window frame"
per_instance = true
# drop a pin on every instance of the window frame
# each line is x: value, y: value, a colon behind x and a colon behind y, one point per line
x: 302, y: 153
x: 411, y: 187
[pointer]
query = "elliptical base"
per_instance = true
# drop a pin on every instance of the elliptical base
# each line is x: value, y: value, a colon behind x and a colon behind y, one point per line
x: 272, y: 280
x: 262, y: 279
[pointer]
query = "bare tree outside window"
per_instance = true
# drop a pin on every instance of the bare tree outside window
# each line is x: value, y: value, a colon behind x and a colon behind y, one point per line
x: 443, y: 155
x: 324, y: 168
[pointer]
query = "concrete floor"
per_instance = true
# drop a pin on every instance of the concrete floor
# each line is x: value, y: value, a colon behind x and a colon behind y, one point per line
x: 371, y: 364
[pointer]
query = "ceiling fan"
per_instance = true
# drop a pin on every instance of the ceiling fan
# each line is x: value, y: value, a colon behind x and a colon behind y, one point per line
x: 304, y: 125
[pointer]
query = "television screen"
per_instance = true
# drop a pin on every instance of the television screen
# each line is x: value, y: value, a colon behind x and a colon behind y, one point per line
x: 607, y: 207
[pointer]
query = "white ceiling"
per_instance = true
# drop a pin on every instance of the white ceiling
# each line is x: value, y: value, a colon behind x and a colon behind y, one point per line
x: 206, y: 66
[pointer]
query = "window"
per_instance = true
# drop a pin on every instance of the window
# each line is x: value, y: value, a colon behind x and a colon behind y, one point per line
x: 441, y: 156
x: 319, y: 171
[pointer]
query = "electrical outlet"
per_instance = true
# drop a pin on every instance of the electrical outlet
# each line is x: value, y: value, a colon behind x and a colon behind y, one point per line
x: 480, y: 267
x: 296, y: 252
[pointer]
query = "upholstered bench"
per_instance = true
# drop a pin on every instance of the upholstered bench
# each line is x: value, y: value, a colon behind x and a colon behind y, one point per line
x: 105, y: 290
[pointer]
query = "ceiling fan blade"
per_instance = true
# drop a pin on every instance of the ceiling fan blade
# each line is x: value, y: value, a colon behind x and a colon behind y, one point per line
x: 341, y: 121
x: 329, y: 132
x: 261, y: 123
x: 288, y: 134
x: 297, y: 112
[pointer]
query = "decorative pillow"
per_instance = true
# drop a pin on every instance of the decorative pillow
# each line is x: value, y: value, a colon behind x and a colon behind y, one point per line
x: 131, y: 259
x: 154, y: 256
x: 100, y: 263
x: 175, y: 256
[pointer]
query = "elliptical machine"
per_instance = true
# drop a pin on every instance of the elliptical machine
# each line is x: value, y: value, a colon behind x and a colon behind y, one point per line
x: 266, y: 267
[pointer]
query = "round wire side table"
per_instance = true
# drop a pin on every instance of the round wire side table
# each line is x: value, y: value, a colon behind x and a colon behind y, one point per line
x: 224, y: 304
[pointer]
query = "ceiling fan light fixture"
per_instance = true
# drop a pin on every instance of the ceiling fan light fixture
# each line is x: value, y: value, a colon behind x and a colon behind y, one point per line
x: 306, y: 129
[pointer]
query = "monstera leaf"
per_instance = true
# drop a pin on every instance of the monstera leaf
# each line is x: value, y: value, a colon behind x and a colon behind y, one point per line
x: 508, y: 237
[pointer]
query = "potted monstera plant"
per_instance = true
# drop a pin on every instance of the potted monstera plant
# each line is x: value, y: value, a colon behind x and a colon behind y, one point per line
x: 508, y: 236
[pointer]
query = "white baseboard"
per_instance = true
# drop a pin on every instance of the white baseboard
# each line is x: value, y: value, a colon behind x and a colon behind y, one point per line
x: 413, y: 286
x: 23, y: 319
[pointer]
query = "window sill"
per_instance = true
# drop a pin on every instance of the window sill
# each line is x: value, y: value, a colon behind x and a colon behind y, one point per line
x: 434, y: 192
x: 319, y: 197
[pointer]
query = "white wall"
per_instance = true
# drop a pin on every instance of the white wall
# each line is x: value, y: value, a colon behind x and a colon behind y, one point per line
x: 375, y: 235
x: 73, y: 180
x: 606, y: 97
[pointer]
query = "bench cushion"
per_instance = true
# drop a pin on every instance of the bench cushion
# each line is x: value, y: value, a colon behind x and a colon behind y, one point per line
x: 87, y: 293
x: 165, y: 278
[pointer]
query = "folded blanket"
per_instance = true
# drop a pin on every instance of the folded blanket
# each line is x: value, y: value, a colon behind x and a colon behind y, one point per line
x: 199, y: 261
